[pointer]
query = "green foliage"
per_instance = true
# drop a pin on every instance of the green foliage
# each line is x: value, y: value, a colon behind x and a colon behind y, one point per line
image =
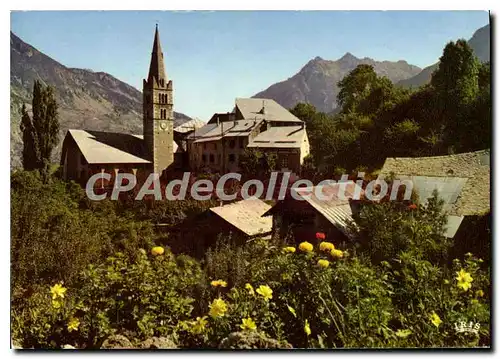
x: 257, y: 163
x: 41, y: 131
x: 416, y: 229
x: 53, y: 235
x: 379, y: 120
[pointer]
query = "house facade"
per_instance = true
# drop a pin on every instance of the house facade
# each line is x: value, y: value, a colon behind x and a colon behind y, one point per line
x: 260, y: 124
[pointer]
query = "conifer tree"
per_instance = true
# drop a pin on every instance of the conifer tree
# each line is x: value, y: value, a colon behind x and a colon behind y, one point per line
x: 41, y: 130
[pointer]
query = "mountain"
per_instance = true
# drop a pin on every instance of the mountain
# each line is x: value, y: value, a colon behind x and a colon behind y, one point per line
x: 479, y: 42
x: 316, y: 82
x: 86, y: 99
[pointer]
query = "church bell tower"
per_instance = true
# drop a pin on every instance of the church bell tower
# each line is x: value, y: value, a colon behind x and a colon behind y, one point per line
x: 158, y: 114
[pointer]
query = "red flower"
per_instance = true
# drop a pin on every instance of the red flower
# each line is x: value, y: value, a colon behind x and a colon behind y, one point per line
x: 412, y: 206
x: 320, y: 235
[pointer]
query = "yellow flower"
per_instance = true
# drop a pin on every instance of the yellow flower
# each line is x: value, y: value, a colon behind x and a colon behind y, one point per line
x: 289, y: 250
x: 307, y: 328
x: 157, y: 251
x: 218, y: 308
x: 446, y: 281
x: 265, y: 291
x: 199, y: 325
x: 57, y: 291
x: 323, y: 263
x: 337, y: 253
x: 250, y: 289
x: 474, y: 301
x: 435, y: 319
x: 464, y: 280
x: 73, y: 324
x: 479, y: 293
x: 248, y: 324
x: 326, y: 246
x: 218, y: 283
x: 306, y: 247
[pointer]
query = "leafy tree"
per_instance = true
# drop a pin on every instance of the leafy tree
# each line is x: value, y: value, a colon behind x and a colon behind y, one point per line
x: 456, y: 79
x: 304, y: 111
x: 255, y: 162
x: 41, y: 131
x: 356, y: 86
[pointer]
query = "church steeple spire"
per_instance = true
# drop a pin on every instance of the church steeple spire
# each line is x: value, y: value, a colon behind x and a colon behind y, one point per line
x: 157, y: 66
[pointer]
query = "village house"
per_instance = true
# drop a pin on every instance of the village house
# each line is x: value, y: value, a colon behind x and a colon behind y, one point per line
x: 240, y: 221
x: 260, y: 124
x: 462, y: 181
x: 86, y: 152
x: 300, y: 220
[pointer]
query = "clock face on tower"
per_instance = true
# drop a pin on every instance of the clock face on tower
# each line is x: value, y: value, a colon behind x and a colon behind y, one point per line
x: 163, y: 125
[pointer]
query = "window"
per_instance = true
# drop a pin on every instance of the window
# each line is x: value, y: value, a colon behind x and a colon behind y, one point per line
x: 232, y: 158
x: 232, y: 144
x: 204, y: 158
x: 284, y: 162
x: 212, y: 158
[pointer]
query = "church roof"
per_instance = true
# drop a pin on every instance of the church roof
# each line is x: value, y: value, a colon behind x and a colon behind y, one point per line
x: 157, y: 66
x: 109, y: 147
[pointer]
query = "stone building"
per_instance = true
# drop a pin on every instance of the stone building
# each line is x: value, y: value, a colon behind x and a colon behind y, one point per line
x: 462, y: 181
x: 86, y: 152
x: 254, y: 123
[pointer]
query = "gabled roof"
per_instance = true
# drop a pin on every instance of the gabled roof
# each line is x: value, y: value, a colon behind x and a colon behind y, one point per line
x: 109, y: 147
x: 190, y: 125
x: 264, y: 109
x: 246, y: 215
x: 280, y: 137
x: 463, y: 179
x: 214, y: 131
x: 337, y: 210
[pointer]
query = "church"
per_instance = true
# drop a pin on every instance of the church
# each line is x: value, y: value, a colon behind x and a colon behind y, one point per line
x: 85, y: 152
x: 215, y: 146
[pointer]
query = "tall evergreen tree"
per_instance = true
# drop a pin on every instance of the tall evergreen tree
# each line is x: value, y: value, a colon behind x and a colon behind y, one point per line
x: 30, y: 147
x: 41, y: 131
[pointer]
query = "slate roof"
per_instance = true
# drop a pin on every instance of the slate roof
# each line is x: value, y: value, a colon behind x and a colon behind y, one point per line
x: 190, y: 125
x: 464, y: 177
x: 251, y: 108
x: 336, y: 210
x: 100, y: 147
x: 109, y: 147
x: 246, y: 215
x: 214, y: 131
x: 279, y: 137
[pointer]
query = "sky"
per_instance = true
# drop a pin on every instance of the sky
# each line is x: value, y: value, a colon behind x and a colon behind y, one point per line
x: 213, y: 57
